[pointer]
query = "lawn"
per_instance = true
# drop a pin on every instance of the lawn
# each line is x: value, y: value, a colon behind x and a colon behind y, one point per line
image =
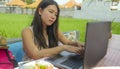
x: 11, y: 25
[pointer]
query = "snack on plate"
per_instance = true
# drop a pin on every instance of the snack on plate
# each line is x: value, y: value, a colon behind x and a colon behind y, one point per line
x: 43, y: 65
x: 38, y: 65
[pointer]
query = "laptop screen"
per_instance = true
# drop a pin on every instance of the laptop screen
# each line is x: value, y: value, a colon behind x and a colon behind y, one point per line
x: 96, y: 42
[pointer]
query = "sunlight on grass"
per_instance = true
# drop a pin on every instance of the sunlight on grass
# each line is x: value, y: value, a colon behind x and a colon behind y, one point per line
x: 11, y: 25
x: 68, y: 24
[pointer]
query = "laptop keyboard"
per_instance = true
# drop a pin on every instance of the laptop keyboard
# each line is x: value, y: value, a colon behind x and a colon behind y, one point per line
x: 74, y: 62
x: 54, y: 58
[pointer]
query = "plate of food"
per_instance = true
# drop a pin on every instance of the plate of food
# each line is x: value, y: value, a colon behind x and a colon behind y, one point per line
x: 41, y: 64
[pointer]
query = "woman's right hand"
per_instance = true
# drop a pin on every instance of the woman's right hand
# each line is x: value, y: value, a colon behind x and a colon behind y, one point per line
x: 74, y: 49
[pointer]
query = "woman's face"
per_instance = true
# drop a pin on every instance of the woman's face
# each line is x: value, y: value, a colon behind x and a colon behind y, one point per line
x: 48, y: 15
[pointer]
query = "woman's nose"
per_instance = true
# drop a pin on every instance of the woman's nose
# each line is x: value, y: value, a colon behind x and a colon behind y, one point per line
x: 53, y: 16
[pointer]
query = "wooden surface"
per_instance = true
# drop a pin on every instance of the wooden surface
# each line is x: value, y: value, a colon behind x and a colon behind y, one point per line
x: 112, y: 58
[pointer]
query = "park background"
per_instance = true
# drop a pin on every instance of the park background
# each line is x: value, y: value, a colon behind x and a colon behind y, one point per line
x: 73, y: 16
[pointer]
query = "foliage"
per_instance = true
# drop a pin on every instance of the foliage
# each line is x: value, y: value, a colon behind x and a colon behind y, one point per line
x: 29, y: 1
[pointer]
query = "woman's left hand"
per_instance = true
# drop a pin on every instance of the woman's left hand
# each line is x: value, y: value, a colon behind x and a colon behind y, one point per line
x: 78, y: 44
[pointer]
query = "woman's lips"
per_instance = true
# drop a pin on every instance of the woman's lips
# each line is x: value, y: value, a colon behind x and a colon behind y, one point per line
x: 51, y: 21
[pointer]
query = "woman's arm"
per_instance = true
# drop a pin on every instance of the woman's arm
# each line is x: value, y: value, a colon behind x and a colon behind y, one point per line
x: 31, y: 49
x: 33, y: 52
x: 62, y: 38
x: 65, y: 41
x: 76, y: 43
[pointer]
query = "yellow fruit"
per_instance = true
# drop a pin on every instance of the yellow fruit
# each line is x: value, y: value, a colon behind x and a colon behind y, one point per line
x: 37, y: 67
x: 42, y: 66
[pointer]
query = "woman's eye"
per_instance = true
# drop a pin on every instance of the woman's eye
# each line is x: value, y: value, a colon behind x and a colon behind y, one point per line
x: 53, y: 13
x: 50, y: 11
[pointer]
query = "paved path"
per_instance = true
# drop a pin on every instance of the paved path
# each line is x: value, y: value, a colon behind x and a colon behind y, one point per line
x: 13, y: 40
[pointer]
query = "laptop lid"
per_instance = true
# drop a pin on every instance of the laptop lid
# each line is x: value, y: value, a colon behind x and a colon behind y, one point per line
x: 96, y: 42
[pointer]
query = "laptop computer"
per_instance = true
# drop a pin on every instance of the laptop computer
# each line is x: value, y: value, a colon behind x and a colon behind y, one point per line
x: 96, y: 42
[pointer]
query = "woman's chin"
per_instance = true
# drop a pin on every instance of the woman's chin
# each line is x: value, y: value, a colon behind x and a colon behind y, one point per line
x: 49, y: 24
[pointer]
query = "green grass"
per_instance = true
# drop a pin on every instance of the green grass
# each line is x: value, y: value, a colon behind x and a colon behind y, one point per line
x: 115, y: 28
x: 11, y: 25
x: 68, y: 24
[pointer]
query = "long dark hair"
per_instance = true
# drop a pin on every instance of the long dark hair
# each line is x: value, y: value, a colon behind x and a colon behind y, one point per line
x: 51, y: 30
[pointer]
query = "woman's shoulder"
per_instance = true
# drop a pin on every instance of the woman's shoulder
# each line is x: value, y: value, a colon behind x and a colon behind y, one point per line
x: 27, y: 30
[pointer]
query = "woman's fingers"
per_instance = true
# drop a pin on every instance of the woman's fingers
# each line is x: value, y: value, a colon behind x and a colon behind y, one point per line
x: 74, y: 49
x: 80, y: 51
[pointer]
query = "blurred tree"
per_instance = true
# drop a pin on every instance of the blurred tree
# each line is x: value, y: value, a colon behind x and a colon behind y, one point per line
x: 29, y: 1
